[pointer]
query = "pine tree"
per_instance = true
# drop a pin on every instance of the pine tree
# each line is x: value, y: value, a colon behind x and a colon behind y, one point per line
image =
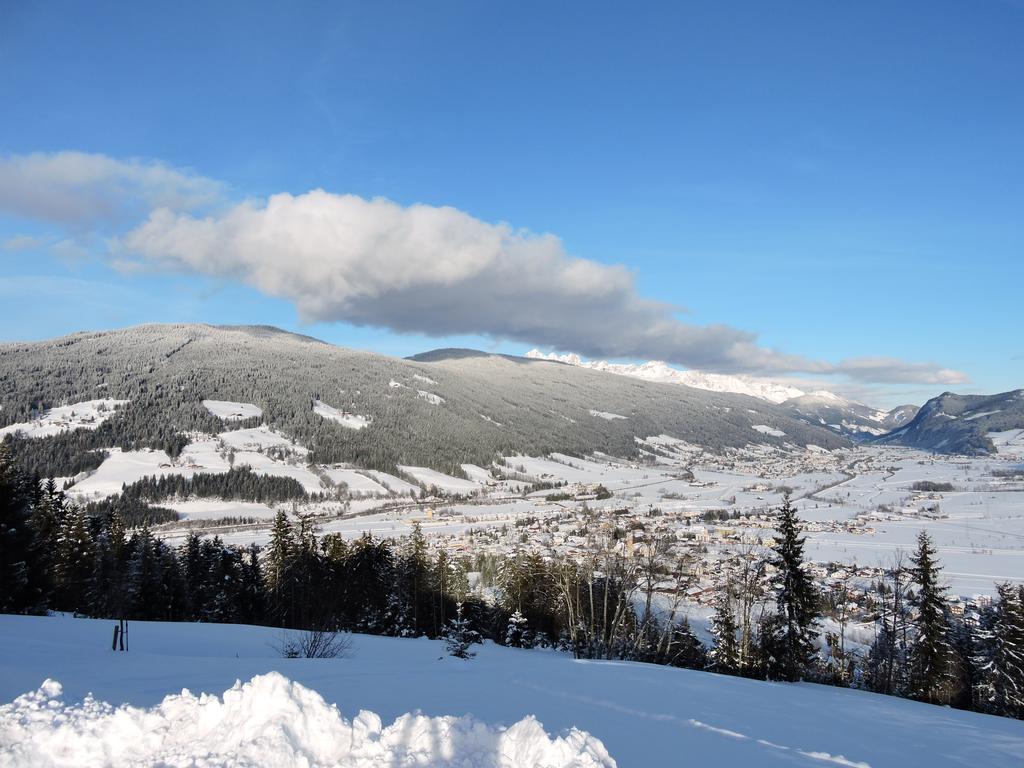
x: 73, y: 562
x: 725, y: 655
x: 797, y: 599
x: 517, y: 635
x: 251, y: 596
x: 930, y: 651
x: 886, y: 663
x: 459, y: 635
x: 279, y: 570
x: 684, y: 649
x: 145, y: 576
x: 1003, y: 672
x: 17, y: 541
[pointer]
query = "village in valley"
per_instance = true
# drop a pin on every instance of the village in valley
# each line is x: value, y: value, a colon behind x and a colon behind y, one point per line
x: 696, y: 520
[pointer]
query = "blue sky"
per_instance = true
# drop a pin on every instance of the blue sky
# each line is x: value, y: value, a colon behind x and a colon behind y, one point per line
x: 845, y: 183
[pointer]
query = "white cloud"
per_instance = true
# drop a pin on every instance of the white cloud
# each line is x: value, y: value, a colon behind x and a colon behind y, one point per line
x: 439, y: 271
x: 79, y: 189
x: 22, y: 243
x: 424, y: 269
x: 890, y: 370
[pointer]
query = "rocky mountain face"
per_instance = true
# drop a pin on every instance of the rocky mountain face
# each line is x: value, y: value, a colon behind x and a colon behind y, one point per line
x: 850, y: 419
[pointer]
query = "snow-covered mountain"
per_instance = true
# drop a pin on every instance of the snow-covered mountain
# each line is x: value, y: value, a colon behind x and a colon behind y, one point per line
x: 821, y: 408
x: 952, y: 423
x: 847, y: 417
x: 655, y: 370
x: 441, y: 409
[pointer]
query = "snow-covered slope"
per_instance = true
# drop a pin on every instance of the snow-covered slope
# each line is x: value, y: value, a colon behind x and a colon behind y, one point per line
x: 820, y: 408
x: 643, y: 715
x: 655, y: 370
x: 952, y: 423
x: 447, y: 408
x: 88, y: 414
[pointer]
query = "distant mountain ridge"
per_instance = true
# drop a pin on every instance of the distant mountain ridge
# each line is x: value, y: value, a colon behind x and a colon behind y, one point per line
x: 848, y: 418
x: 461, y: 407
x: 952, y: 423
x: 655, y: 370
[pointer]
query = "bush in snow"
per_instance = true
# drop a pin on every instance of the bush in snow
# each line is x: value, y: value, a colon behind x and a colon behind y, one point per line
x: 314, y: 644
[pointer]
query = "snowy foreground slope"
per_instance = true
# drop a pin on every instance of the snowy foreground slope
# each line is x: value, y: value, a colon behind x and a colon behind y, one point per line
x: 642, y: 715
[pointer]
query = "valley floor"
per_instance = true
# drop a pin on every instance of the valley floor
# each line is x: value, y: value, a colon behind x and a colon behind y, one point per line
x: 644, y: 715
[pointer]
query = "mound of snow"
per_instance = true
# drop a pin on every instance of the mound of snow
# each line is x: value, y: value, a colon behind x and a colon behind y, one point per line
x: 232, y: 411
x: 269, y: 720
x: 346, y: 419
x: 88, y: 414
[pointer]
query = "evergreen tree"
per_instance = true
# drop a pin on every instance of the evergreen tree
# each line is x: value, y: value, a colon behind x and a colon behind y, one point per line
x: 886, y: 663
x: 145, y: 576
x: 930, y: 652
x: 251, y: 595
x: 1003, y: 671
x: 279, y: 570
x: 797, y: 600
x: 459, y: 635
x: 73, y: 562
x: 19, y: 548
x: 684, y: 649
x: 725, y: 655
x: 517, y: 635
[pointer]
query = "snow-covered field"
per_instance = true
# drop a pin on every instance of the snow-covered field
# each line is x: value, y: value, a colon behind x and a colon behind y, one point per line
x: 446, y: 483
x: 205, y: 453
x: 356, y: 482
x: 230, y: 410
x: 214, y: 509
x: 88, y: 414
x: 350, y: 420
x: 523, y: 705
x: 861, y: 503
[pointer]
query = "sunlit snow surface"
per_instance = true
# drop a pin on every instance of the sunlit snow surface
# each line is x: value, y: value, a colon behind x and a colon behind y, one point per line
x: 88, y: 414
x: 350, y: 420
x: 270, y: 720
x: 232, y: 411
x: 643, y: 715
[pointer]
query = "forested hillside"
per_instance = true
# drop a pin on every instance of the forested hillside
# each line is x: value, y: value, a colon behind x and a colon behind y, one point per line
x: 468, y: 408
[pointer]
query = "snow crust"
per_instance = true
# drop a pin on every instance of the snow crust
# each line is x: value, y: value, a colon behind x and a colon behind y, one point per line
x: 764, y: 429
x: 270, y: 721
x: 88, y: 414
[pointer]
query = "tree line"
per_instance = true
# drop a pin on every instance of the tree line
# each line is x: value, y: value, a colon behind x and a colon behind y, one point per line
x: 57, y: 556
